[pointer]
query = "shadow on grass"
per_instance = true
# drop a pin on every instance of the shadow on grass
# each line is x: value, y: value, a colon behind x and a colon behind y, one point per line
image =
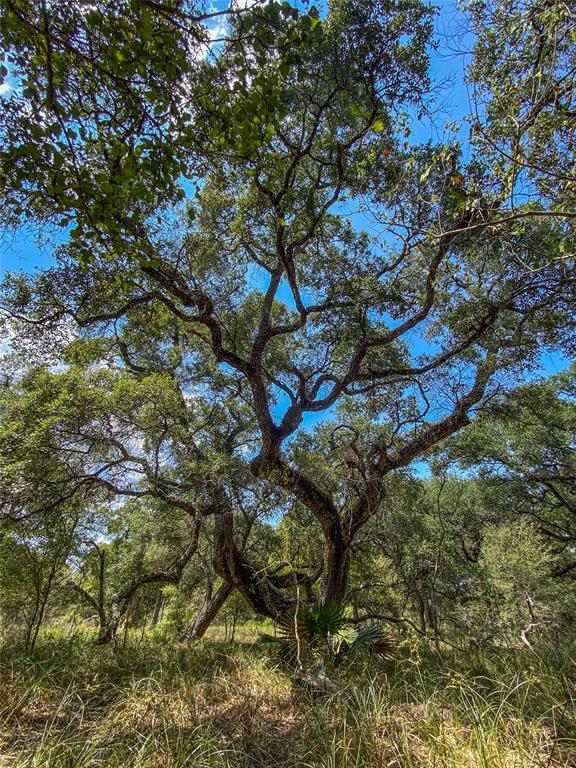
x: 160, y: 702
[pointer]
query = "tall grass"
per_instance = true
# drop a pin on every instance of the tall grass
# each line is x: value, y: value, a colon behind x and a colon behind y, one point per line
x: 160, y: 703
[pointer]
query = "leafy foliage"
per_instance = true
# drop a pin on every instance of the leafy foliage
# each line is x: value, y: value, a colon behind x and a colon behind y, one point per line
x: 327, y: 628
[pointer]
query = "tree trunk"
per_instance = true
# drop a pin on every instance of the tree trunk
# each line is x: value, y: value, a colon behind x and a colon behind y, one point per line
x: 37, y: 583
x: 38, y: 623
x: 234, y: 620
x: 421, y: 614
x: 335, y: 577
x: 31, y: 622
x: 255, y: 586
x: 337, y: 540
x: 208, y: 612
x: 42, y: 607
x: 158, y: 609
x: 127, y: 623
x: 266, y: 593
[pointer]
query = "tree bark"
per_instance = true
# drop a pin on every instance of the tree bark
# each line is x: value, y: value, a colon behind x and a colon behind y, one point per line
x: 208, y: 612
x: 335, y: 576
x: 40, y: 613
x: 158, y: 609
x: 255, y: 586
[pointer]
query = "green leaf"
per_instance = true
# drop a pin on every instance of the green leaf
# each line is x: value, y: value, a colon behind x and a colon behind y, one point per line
x: 345, y: 637
x: 425, y: 174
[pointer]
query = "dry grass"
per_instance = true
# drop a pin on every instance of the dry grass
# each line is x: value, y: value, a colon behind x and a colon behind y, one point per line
x: 162, y: 704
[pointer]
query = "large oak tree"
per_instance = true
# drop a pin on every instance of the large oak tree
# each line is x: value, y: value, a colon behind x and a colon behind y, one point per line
x: 321, y: 263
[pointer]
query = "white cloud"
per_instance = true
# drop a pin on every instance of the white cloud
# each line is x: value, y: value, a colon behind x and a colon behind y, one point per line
x: 217, y: 32
x: 5, y: 88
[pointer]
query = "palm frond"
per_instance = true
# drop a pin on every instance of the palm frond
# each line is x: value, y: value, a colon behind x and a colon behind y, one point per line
x: 376, y: 642
x: 326, y: 620
x: 343, y: 639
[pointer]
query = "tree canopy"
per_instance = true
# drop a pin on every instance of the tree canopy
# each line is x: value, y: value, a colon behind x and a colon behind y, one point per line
x: 272, y: 296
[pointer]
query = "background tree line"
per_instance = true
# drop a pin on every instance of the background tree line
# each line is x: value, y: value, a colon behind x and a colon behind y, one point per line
x: 478, y: 550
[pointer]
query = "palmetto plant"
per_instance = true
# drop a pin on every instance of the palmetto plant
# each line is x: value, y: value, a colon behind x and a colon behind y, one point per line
x: 326, y: 628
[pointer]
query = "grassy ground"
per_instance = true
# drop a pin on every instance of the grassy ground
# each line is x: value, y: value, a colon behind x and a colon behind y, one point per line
x: 159, y: 704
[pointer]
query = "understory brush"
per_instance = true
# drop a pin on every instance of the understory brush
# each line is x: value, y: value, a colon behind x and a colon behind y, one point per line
x: 158, y: 703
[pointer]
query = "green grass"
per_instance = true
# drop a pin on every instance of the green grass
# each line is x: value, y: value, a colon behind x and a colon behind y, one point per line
x: 160, y: 703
